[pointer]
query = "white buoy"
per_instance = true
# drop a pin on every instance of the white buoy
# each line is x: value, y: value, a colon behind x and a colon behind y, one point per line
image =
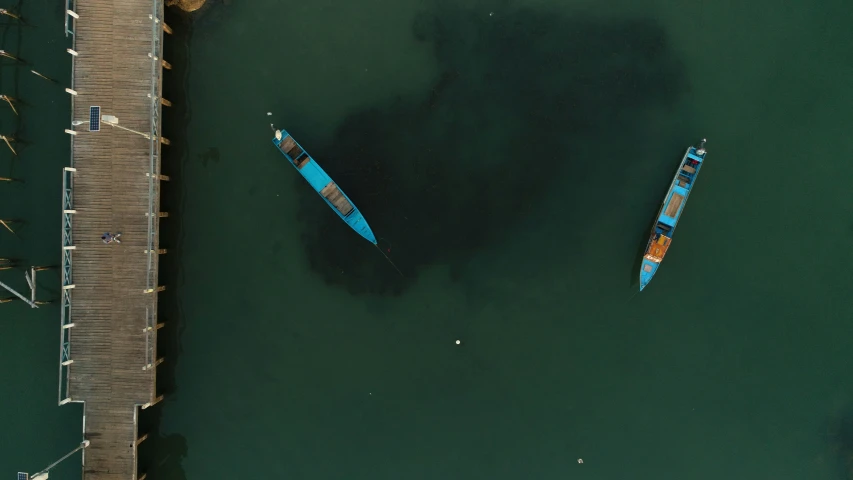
x: 458, y: 342
x: 269, y: 114
x: 580, y: 460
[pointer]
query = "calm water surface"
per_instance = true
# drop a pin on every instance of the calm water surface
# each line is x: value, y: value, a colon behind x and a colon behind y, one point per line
x: 511, y: 156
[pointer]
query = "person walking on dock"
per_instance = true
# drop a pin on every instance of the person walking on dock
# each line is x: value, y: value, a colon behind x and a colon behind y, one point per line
x: 110, y: 238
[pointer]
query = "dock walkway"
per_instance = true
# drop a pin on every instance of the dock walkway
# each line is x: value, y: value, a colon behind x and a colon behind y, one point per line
x: 108, y: 354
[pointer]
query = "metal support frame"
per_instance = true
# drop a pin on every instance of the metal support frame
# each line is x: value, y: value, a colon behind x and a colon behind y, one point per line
x: 42, y: 475
x: 68, y: 247
x: 156, y: 18
x: 153, y: 175
x: 69, y: 18
x: 15, y: 292
x: 150, y: 338
x: 31, y: 280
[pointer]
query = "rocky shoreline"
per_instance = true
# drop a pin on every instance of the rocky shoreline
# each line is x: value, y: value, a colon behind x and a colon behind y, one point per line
x: 186, y: 5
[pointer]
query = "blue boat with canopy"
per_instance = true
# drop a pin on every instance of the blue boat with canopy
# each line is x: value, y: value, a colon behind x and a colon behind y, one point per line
x: 670, y: 211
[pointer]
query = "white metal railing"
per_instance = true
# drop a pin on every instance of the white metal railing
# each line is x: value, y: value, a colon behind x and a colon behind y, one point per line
x: 66, y: 322
x: 70, y: 16
x: 156, y: 18
x: 68, y: 247
x: 150, y: 338
x: 156, y: 53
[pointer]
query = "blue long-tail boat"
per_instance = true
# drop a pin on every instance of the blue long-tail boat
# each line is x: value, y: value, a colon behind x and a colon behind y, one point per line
x: 670, y: 211
x: 322, y: 183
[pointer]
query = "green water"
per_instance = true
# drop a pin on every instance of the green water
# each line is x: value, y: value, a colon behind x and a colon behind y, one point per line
x: 511, y: 156
x: 35, y: 430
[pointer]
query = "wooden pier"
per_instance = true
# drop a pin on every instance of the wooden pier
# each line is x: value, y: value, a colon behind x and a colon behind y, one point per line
x: 108, y: 351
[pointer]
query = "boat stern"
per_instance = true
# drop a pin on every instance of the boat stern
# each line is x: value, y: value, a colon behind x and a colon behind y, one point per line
x: 655, y: 251
x: 647, y: 271
x: 357, y: 222
x: 365, y: 231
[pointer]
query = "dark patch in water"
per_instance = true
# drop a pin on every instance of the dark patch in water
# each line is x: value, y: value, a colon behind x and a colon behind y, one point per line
x: 209, y: 155
x: 840, y: 441
x: 455, y: 171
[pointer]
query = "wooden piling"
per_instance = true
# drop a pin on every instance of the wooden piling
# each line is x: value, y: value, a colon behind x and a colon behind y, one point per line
x: 8, y: 141
x: 164, y: 178
x: 6, y: 223
x: 44, y: 76
x: 9, y: 100
x: 4, y: 53
x: 3, y: 11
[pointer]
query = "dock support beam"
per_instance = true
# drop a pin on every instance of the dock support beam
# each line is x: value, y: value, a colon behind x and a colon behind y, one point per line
x: 153, y: 402
x: 29, y: 302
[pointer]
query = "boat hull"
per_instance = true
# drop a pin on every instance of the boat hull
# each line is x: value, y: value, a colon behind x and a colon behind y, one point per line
x: 322, y: 183
x: 670, y: 212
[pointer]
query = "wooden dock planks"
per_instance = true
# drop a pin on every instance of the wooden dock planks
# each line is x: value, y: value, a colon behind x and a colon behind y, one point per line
x: 109, y: 347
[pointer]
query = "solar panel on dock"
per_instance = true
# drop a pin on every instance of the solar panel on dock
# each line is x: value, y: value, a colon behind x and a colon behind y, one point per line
x: 94, y: 119
x: 23, y: 476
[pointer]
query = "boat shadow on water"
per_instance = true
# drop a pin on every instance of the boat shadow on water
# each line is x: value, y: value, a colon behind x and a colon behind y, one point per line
x: 442, y: 177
